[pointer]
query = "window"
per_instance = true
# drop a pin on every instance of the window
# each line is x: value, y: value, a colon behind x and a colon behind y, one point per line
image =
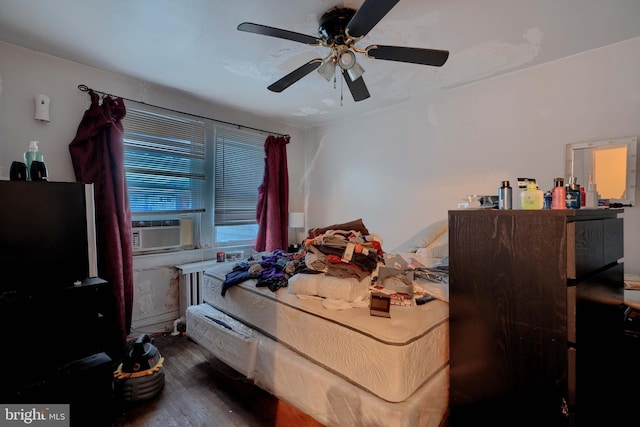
x: 179, y: 167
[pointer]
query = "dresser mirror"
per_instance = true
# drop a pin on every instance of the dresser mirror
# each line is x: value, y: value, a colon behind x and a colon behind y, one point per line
x: 610, y: 165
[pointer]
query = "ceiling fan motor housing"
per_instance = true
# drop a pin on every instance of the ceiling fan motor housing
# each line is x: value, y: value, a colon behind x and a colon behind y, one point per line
x: 333, y: 25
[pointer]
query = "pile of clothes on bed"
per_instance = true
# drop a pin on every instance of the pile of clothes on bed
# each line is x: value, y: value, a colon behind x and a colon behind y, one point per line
x: 272, y: 270
x: 344, y: 250
x: 343, y: 263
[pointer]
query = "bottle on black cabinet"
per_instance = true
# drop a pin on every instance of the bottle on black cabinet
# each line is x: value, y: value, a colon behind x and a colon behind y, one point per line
x: 33, y: 154
x: 591, y: 195
x: 558, y: 194
x: 505, y: 196
x: 573, y: 194
x: 532, y: 197
x: 548, y: 199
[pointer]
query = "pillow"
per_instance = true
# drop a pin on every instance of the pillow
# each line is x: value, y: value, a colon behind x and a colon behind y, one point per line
x: 439, y: 248
x: 356, y: 225
x: 417, y: 260
x: 425, y: 237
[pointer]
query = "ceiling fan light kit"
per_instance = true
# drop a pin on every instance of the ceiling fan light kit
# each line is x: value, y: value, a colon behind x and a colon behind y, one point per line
x: 340, y: 28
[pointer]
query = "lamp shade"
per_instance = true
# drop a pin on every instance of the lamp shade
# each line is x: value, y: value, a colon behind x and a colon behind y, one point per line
x: 296, y: 219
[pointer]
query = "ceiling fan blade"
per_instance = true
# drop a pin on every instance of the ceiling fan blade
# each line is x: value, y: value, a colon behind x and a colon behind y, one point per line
x: 295, y: 75
x: 250, y: 27
x: 357, y: 87
x: 415, y: 55
x: 369, y: 14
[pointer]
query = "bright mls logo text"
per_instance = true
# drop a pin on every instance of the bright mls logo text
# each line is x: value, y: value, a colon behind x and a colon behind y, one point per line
x: 50, y: 414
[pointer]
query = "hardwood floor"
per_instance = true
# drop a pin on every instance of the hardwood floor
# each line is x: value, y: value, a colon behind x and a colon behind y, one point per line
x: 199, y: 390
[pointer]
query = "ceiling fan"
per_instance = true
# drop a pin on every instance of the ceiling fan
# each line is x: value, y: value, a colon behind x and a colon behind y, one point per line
x: 340, y: 28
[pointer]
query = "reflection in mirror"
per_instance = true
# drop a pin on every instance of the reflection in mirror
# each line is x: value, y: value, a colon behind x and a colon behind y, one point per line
x: 610, y: 165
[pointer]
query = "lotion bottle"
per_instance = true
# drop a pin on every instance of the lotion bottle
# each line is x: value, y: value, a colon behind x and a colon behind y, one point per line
x: 33, y: 153
x: 532, y: 197
x: 558, y: 195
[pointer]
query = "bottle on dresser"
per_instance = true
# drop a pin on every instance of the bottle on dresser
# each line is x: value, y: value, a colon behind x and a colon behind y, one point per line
x: 573, y: 194
x: 505, y: 196
x: 558, y: 194
x: 532, y: 197
x: 548, y: 199
x: 591, y: 195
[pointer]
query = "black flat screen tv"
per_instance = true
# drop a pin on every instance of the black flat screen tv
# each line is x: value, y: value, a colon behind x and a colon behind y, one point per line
x: 47, y: 235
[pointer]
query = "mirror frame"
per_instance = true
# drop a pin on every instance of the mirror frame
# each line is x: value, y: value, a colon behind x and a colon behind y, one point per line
x: 630, y: 142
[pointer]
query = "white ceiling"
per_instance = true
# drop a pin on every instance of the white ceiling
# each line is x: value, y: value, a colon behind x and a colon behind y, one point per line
x: 194, y: 46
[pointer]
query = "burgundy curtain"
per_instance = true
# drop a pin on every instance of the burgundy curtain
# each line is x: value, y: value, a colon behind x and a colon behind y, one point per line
x: 97, y: 153
x: 273, y: 197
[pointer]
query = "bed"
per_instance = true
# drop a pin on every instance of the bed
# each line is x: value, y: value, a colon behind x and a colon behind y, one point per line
x: 315, y: 345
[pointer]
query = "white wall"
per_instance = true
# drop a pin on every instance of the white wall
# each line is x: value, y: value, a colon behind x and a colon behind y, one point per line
x: 403, y: 168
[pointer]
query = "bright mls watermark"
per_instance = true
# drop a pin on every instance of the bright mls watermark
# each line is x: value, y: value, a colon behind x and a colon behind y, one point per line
x: 35, y: 415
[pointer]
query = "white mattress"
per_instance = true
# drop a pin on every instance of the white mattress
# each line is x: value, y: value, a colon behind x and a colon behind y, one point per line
x: 389, y: 357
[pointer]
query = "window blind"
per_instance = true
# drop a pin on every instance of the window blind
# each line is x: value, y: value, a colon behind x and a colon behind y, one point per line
x: 164, y: 162
x: 239, y: 171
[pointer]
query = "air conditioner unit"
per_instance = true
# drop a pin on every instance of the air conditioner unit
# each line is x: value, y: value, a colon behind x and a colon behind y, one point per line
x: 149, y: 236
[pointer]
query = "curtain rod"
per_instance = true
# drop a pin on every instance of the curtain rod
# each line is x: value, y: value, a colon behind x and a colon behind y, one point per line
x: 85, y: 88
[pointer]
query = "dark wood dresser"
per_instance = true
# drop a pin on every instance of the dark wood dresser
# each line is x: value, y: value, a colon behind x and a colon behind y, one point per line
x: 536, y: 317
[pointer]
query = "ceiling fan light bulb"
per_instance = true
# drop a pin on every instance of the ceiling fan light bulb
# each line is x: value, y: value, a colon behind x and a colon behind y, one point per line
x: 355, y: 72
x: 346, y: 59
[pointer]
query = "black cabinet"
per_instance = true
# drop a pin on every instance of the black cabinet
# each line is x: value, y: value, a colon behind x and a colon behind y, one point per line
x: 536, y: 316
x: 45, y: 332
